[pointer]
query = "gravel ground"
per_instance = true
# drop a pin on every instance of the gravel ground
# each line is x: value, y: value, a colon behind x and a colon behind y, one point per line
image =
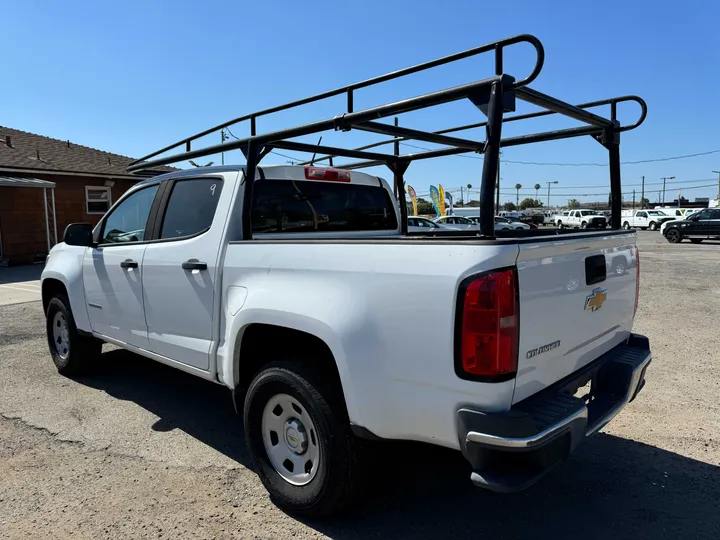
x: 139, y: 450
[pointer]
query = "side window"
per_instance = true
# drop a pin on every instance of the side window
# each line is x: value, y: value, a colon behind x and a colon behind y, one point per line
x: 715, y: 213
x: 97, y: 199
x: 704, y: 215
x: 642, y: 214
x: 128, y: 220
x: 191, y: 207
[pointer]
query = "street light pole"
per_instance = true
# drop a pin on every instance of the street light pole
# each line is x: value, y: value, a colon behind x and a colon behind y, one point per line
x: 548, y: 183
x: 718, y: 196
x: 663, y: 179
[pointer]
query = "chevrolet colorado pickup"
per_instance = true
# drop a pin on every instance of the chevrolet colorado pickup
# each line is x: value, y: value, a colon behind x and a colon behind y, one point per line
x: 300, y: 290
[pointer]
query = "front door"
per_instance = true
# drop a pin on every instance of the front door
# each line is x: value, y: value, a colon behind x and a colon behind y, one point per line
x: 641, y: 220
x: 112, y: 272
x: 180, y: 271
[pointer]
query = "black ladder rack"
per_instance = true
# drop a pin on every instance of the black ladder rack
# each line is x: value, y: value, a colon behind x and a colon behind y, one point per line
x: 494, y: 96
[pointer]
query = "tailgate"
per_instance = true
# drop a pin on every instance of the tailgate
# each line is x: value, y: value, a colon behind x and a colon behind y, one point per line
x: 566, y: 320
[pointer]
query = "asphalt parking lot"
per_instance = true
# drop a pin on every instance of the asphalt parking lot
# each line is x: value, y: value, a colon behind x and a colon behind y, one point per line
x: 139, y: 450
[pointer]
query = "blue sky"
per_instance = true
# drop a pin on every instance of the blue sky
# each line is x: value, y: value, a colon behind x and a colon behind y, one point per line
x: 130, y: 77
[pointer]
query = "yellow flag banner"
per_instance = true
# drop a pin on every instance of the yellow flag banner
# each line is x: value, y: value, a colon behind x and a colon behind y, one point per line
x: 442, y: 200
x: 413, y: 199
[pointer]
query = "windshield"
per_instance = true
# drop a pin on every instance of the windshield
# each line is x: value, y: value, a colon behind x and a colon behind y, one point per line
x: 590, y: 213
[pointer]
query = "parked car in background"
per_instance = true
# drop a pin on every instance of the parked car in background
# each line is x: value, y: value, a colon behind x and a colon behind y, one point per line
x: 457, y: 222
x: 584, y: 219
x: 644, y: 219
x: 502, y: 223
x: 698, y: 227
x: 421, y: 224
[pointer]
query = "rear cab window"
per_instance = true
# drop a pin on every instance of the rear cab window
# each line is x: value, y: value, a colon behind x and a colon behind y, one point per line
x: 301, y: 206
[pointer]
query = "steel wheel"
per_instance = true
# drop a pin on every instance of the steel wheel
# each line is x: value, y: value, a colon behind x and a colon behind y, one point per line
x: 61, y: 335
x: 653, y: 226
x: 626, y: 226
x: 620, y: 268
x: 290, y: 440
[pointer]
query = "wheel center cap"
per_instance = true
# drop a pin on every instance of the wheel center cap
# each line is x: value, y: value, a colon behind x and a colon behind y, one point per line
x: 295, y: 436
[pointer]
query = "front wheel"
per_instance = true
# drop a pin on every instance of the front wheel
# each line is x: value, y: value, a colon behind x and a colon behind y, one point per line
x: 583, y: 225
x: 673, y: 236
x: 71, y: 352
x: 559, y: 225
x: 653, y: 226
x: 299, y: 438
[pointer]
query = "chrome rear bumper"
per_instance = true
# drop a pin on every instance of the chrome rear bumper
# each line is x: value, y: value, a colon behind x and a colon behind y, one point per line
x: 510, y: 451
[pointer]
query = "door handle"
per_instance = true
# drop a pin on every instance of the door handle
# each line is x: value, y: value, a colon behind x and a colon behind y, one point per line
x: 128, y: 263
x: 194, y: 264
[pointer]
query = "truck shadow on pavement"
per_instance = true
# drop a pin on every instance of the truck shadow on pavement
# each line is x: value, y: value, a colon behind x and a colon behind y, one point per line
x: 611, y: 488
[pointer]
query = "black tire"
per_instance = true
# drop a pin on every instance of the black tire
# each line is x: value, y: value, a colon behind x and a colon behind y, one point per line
x: 559, y: 224
x: 620, y: 268
x: 653, y: 226
x: 626, y: 226
x: 333, y: 486
x: 80, y: 351
x: 673, y: 236
x: 696, y: 240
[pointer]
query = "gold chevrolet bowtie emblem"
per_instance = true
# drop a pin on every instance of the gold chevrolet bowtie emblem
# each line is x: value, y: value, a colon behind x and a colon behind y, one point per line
x: 595, y: 300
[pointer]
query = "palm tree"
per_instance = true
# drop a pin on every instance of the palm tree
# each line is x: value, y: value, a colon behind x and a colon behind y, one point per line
x: 518, y: 187
x: 537, y: 189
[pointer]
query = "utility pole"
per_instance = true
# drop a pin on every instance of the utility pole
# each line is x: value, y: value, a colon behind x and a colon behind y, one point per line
x: 633, y: 199
x: 548, y: 183
x: 718, y: 196
x: 642, y: 196
x: 664, y: 178
x: 223, y: 137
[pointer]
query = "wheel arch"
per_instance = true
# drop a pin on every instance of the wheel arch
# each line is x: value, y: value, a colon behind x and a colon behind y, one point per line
x: 259, y: 343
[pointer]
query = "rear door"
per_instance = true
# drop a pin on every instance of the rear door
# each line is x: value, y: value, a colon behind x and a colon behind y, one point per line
x: 180, y: 270
x: 572, y: 309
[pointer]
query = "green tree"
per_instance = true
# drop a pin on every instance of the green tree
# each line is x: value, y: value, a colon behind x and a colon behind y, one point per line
x: 644, y: 202
x: 530, y: 203
x: 424, y: 207
x: 509, y: 206
x: 573, y: 203
x: 537, y: 189
x: 518, y: 187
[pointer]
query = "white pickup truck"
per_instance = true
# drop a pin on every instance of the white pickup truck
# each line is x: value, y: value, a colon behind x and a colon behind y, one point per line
x: 584, y: 219
x: 325, y: 335
x: 299, y: 289
x: 645, y: 219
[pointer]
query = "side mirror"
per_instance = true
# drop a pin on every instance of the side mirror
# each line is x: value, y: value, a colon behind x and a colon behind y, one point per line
x: 78, y: 234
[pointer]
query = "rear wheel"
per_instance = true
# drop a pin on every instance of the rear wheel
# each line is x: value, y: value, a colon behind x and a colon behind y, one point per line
x: 71, y: 352
x: 626, y: 226
x: 673, y: 236
x: 696, y: 240
x: 298, y: 434
x: 653, y: 226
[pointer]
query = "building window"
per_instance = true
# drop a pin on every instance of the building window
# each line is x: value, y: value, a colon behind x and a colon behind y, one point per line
x: 97, y: 199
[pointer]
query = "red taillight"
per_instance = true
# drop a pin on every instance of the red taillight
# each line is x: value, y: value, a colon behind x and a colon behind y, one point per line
x: 637, y: 281
x: 489, y: 333
x: 332, y: 175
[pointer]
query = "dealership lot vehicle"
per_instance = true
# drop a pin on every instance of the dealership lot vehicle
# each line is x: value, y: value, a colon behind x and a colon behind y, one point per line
x: 583, y: 219
x: 288, y: 285
x: 644, y: 219
x: 421, y: 224
x: 700, y: 226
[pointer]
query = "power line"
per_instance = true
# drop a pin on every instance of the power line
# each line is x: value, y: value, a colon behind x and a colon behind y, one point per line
x: 655, y: 160
x: 291, y: 158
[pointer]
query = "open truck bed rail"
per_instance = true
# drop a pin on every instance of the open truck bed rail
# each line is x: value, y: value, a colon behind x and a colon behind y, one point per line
x: 493, y: 96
